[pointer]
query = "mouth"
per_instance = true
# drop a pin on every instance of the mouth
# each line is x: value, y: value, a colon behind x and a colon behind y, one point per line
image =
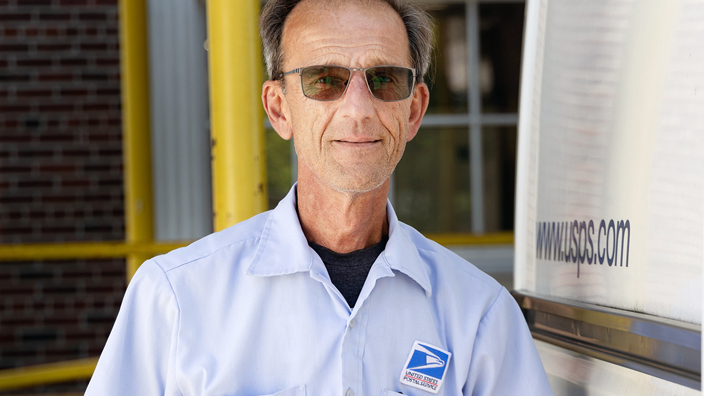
x: 361, y: 141
x: 357, y: 145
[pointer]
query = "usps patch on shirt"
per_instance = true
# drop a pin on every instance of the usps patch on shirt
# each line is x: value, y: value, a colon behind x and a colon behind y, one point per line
x: 426, y: 367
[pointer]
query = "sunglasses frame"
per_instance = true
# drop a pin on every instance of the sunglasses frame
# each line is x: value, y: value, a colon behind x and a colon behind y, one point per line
x: 352, y: 70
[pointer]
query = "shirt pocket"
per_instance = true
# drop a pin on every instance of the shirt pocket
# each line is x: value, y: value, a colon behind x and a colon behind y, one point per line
x: 295, y: 391
x: 387, y: 392
x: 299, y: 390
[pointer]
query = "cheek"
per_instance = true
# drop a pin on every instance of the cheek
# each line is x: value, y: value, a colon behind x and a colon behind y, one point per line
x: 309, y: 122
x: 398, y: 125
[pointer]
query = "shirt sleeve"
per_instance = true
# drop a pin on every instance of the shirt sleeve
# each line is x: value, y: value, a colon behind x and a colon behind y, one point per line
x: 505, y: 361
x: 137, y: 358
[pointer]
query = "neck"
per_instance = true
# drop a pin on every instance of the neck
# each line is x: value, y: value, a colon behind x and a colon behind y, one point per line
x: 342, y: 222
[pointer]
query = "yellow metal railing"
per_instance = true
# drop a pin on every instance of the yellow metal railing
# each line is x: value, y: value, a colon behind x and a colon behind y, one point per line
x: 44, y: 374
x: 448, y: 239
x: 83, y: 250
x: 236, y: 113
x: 136, y: 143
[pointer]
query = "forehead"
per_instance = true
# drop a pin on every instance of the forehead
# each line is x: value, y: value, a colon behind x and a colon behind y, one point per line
x: 348, y: 33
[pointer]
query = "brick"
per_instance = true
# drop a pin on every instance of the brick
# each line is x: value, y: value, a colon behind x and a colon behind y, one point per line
x: 15, y: 169
x: 59, y: 230
x: 54, y: 17
x: 15, y: 108
x: 92, y: 16
x: 35, y: 153
x: 55, y: 138
x: 107, y: 62
x: 34, y: 62
x: 7, y: 16
x: 94, y: 47
x: 55, y: 77
x: 75, y: 183
x: 13, y: 200
x: 7, y: 138
x: 76, y: 153
x: 14, y: 47
x: 108, y: 92
x: 33, y: 2
x: 96, y: 107
x: 56, y: 107
x: 14, y: 77
x: 96, y: 168
x: 57, y: 168
x: 97, y: 197
x: 33, y: 123
x: 73, y: 2
x: 10, y: 32
x: 34, y: 184
x: 110, y: 152
x: 94, y: 77
x: 33, y: 93
x: 54, y: 47
x: 73, y: 62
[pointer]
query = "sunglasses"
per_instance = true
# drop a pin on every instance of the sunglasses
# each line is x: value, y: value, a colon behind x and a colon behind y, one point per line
x: 329, y: 82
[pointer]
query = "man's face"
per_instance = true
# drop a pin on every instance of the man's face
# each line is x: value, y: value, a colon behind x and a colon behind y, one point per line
x: 352, y: 144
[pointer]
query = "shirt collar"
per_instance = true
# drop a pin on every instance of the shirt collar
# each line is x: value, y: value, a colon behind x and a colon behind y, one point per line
x: 283, y: 248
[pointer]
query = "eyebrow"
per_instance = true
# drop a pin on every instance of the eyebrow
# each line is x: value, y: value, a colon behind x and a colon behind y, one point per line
x: 372, y: 61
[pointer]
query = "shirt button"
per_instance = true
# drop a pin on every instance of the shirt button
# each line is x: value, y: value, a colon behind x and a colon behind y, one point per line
x: 352, y: 323
x: 349, y: 392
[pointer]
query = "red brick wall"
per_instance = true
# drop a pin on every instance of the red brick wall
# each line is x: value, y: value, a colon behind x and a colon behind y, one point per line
x: 60, y: 175
x: 60, y: 159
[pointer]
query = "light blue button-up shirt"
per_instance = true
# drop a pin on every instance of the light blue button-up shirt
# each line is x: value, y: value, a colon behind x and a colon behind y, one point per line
x: 251, y: 311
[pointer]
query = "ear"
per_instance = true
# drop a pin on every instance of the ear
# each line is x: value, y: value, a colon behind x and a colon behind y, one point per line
x: 421, y: 98
x: 276, y: 108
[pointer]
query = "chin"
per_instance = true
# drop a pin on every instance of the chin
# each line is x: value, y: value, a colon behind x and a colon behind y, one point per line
x: 358, y: 185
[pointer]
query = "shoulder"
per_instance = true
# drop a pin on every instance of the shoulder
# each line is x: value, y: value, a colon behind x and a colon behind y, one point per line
x: 451, y: 275
x: 443, y: 259
x: 244, y: 235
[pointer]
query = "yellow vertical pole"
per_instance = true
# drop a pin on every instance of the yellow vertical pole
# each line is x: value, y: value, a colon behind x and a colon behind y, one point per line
x: 236, y: 114
x: 136, y: 147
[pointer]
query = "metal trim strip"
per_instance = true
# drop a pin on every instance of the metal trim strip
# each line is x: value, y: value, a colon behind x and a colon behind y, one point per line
x: 660, y: 347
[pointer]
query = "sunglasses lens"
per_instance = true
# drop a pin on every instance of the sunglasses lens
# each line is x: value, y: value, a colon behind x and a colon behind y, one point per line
x: 324, y: 82
x: 390, y: 83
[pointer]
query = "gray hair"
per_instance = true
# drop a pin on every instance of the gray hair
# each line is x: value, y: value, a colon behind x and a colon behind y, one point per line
x: 419, y: 28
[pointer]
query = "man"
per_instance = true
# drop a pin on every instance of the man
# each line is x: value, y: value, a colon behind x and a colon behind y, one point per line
x: 328, y: 294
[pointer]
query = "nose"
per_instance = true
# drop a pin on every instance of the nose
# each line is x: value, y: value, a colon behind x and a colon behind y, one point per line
x: 357, y: 103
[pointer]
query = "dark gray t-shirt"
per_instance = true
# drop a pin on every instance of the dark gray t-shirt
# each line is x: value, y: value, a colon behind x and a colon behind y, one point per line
x: 348, y: 271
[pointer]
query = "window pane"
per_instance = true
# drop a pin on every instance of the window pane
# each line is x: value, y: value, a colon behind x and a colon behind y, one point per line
x: 278, y: 167
x: 499, y: 151
x: 432, y: 181
x: 501, y: 37
x: 448, y: 72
